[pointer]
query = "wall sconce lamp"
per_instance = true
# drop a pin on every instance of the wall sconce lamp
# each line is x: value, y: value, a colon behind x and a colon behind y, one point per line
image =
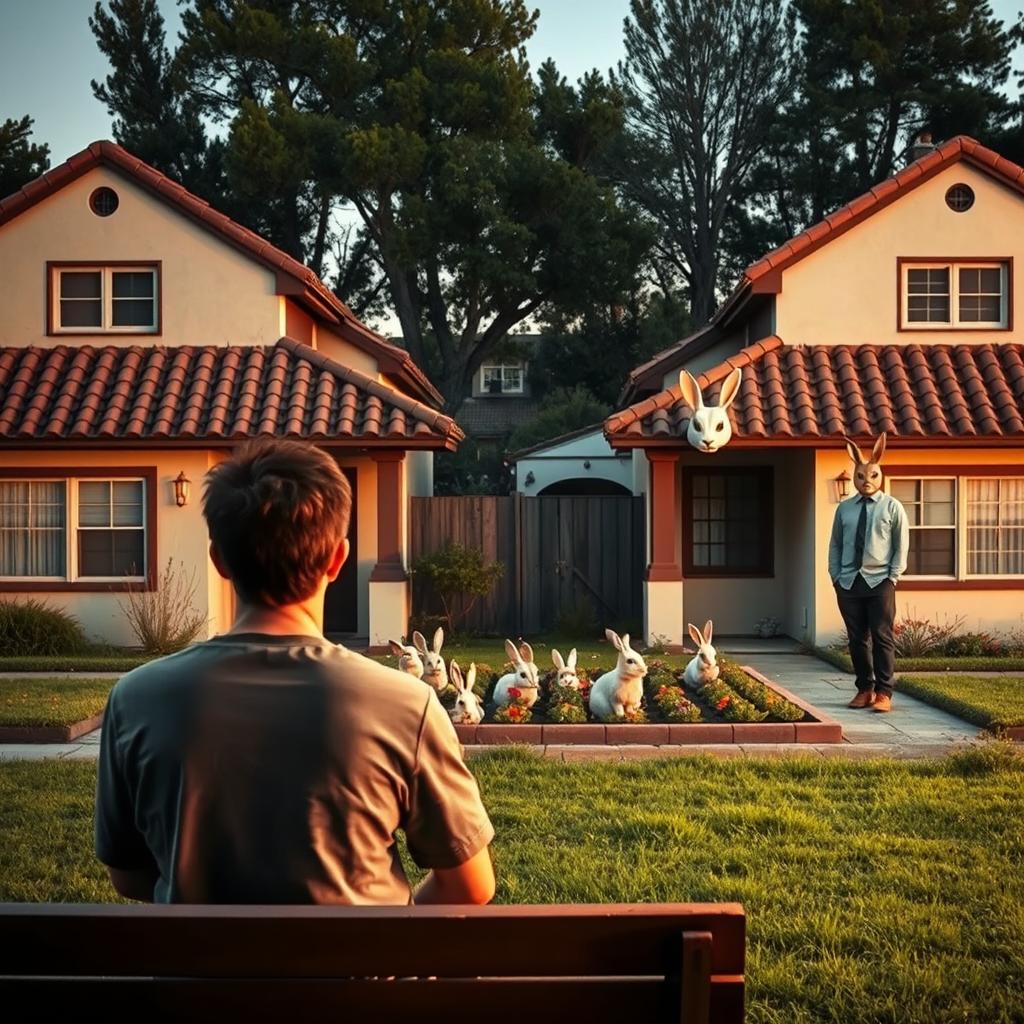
x: 182, y: 486
x: 842, y: 483
x: 530, y: 478
x: 586, y: 463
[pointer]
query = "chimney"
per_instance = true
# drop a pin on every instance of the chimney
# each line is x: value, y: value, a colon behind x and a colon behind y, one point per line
x: 921, y: 146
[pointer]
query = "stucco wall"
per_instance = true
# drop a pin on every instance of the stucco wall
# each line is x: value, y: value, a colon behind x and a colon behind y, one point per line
x: 565, y: 462
x: 983, y: 609
x: 845, y: 293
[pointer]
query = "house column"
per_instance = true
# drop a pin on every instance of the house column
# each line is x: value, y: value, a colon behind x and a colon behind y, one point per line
x: 663, y: 587
x: 389, y: 581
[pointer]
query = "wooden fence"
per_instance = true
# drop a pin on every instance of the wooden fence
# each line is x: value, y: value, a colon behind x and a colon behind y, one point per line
x: 567, y: 559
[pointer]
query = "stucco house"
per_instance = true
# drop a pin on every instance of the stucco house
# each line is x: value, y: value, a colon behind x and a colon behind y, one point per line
x: 143, y: 334
x: 895, y: 313
x: 579, y: 462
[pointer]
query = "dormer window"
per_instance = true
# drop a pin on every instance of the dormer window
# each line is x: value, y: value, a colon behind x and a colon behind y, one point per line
x: 967, y: 295
x: 498, y: 379
x: 104, y: 299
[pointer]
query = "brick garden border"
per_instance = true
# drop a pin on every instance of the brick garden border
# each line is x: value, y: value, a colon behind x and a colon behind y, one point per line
x: 819, y: 728
x: 49, y: 733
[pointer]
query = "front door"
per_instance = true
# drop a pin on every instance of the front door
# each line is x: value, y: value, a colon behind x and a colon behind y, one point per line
x: 341, y: 603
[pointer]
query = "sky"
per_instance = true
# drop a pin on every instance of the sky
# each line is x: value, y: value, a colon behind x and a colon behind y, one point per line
x: 54, y: 35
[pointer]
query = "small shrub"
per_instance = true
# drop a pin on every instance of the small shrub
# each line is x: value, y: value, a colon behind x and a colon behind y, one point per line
x: 733, y: 708
x: 973, y: 645
x: 32, y: 628
x: 916, y: 637
x: 580, y: 620
x: 457, y: 571
x: 761, y: 696
x: 675, y: 706
x: 767, y: 627
x: 515, y: 712
x: 565, y: 706
x: 164, y: 620
x: 638, y: 717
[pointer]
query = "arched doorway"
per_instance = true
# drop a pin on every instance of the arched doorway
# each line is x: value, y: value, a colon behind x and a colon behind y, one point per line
x: 583, y: 486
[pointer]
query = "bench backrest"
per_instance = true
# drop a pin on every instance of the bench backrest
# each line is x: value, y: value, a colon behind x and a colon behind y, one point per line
x: 615, y: 962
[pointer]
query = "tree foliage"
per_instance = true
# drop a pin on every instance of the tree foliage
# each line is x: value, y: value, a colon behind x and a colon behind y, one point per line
x: 562, y: 410
x: 20, y: 159
x: 460, y: 577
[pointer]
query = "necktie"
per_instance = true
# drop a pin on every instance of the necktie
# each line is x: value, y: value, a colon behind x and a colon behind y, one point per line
x: 862, y: 530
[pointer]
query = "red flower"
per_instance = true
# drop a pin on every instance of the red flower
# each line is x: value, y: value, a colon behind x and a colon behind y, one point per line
x: 722, y: 703
x: 514, y: 693
x: 514, y: 712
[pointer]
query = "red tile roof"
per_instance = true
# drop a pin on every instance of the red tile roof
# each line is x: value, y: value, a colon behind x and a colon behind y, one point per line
x: 796, y: 392
x: 205, y: 393
x: 294, y: 279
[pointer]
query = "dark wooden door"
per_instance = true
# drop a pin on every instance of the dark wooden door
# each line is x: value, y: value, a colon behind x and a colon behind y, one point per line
x: 341, y: 603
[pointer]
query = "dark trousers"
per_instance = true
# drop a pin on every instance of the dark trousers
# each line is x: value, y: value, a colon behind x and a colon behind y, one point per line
x: 869, y: 614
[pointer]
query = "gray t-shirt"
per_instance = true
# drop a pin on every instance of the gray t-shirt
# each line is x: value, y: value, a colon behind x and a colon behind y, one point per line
x: 277, y: 769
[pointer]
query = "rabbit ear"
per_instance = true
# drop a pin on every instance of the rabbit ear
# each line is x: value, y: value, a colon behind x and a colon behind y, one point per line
x: 419, y: 641
x: 456, y: 675
x: 708, y: 627
x: 695, y: 634
x: 557, y: 659
x: 471, y: 676
x: 572, y: 659
x: 691, y: 391
x: 525, y: 650
x: 510, y: 650
x: 625, y: 641
x: 879, y: 450
x: 613, y: 639
x: 730, y: 388
x: 438, y: 639
x: 396, y: 648
x: 855, y: 452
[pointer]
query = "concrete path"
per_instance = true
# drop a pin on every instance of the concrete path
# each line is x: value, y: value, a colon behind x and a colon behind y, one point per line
x: 912, y: 729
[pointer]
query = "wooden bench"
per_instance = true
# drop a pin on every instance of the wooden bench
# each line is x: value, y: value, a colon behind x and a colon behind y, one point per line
x: 522, y: 964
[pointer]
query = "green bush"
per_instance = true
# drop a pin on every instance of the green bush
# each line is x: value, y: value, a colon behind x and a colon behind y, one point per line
x: 32, y: 628
x: 733, y: 708
x: 761, y: 696
x: 674, y: 705
x: 565, y: 706
x: 457, y: 571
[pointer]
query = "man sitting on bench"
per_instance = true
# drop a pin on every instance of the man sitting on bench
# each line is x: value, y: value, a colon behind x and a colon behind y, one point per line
x: 268, y: 765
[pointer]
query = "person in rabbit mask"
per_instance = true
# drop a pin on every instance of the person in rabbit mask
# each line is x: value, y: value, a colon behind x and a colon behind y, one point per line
x: 867, y: 555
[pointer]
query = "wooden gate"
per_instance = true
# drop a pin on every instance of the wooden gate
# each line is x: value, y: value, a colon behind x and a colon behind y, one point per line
x: 567, y: 559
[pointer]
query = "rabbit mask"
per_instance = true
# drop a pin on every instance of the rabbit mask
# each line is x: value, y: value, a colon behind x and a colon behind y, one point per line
x: 705, y: 651
x: 867, y: 473
x: 631, y: 665
x: 710, y: 428
x: 566, y: 669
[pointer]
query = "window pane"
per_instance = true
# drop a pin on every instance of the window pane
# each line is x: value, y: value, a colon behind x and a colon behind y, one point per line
x: 728, y: 524
x: 94, y: 503
x: 80, y: 284
x: 991, y: 281
x: 905, y: 490
x: 128, y: 503
x: 81, y: 313
x: 133, y: 313
x: 970, y: 279
x: 932, y: 553
x: 111, y: 552
x: 13, y: 503
x: 134, y: 284
x: 32, y: 529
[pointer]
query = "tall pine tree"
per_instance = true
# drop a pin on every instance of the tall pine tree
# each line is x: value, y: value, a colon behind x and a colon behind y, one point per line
x: 20, y: 159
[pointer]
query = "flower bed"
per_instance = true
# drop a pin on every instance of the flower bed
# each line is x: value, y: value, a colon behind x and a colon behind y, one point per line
x: 740, y: 706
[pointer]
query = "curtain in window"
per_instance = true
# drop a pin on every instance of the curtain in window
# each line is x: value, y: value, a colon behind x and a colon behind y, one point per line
x: 995, y: 527
x: 32, y: 528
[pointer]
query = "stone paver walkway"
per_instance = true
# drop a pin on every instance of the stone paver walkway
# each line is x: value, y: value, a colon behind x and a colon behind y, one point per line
x: 912, y: 729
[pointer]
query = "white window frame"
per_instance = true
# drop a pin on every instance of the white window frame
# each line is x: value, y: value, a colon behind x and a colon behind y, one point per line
x: 961, y: 527
x: 501, y: 368
x: 106, y: 298
x: 954, y: 323
x: 71, y: 528
x: 966, y: 538
x: 958, y: 557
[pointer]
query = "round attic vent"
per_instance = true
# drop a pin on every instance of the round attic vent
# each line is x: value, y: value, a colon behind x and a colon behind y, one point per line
x: 103, y: 201
x: 960, y: 197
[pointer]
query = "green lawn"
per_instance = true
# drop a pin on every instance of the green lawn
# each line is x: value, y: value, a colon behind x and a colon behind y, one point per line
x: 989, y: 701
x: 840, y: 657
x: 44, y: 701
x: 876, y: 892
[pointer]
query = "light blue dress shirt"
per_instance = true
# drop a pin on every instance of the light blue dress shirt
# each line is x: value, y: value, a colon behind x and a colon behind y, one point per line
x: 886, y: 542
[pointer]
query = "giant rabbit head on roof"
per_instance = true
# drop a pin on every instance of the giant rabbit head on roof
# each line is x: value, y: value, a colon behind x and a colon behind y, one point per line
x: 709, y: 427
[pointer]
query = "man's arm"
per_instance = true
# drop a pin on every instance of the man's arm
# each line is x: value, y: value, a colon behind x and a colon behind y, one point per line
x: 471, y: 882
x: 835, y: 546
x: 900, y: 543
x: 137, y: 884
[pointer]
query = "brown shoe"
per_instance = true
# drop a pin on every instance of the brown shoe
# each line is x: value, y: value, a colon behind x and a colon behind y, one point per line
x: 864, y: 699
x: 882, y: 703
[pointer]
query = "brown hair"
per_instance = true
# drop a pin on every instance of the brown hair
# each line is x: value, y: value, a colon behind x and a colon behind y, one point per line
x: 276, y: 511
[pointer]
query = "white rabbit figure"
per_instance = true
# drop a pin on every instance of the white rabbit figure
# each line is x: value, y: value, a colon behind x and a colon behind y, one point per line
x: 710, y: 428
x: 703, y: 667
x: 566, y: 670
x: 409, y: 660
x: 620, y: 690
x: 434, y: 671
x: 523, y: 677
x: 467, y: 710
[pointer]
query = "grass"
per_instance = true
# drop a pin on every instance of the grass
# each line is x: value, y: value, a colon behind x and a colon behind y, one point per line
x: 73, y: 663
x: 932, y: 662
x: 51, y: 701
x: 876, y: 892
x: 992, y: 701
